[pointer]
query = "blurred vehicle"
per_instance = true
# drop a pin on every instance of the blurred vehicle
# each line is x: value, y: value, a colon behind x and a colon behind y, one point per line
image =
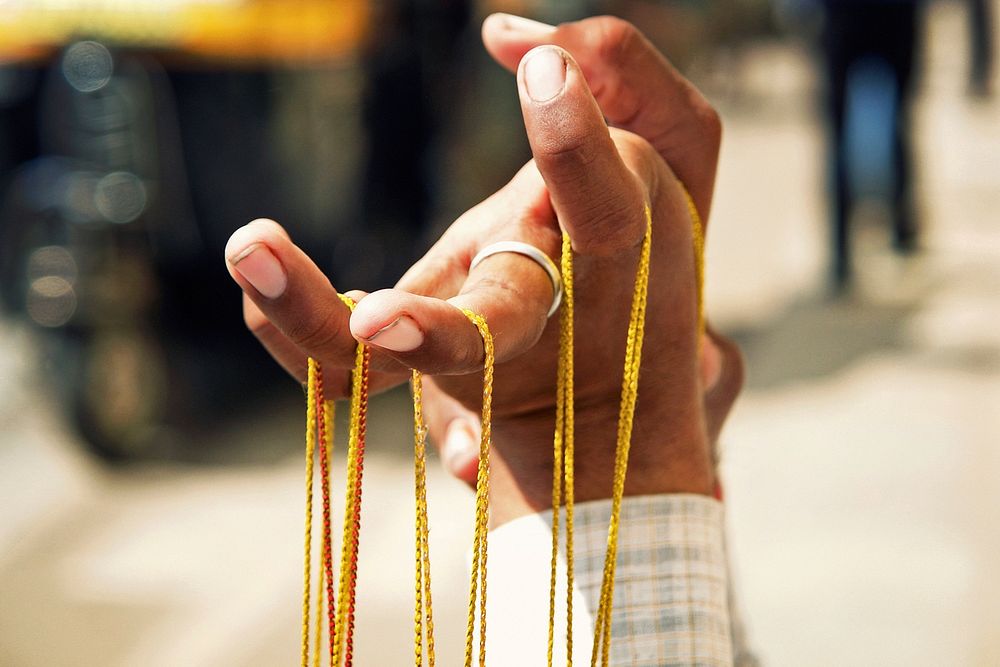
x: 133, y: 140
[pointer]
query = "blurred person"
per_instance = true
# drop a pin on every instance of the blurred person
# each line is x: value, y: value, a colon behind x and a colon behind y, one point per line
x: 981, y: 46
x: 862, y: 39
x: 594, y: 183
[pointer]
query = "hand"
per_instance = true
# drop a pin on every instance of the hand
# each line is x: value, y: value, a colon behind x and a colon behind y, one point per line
x: 637, y: 90
x: 598, y: 183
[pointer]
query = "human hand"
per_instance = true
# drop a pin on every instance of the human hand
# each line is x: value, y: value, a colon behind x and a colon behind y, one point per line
x: 637, y: 90
x: 598, y: 185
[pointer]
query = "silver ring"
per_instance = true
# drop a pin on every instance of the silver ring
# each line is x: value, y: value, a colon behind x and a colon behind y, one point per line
x: 533, y: 253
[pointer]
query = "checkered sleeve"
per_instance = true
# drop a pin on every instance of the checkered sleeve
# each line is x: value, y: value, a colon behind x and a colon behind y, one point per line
x: 670, y: 602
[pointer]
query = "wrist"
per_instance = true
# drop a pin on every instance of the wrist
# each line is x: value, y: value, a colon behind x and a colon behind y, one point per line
x: 669, y: 453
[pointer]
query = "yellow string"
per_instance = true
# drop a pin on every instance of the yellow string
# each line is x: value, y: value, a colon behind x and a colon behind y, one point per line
x: 562, y: 454
x: 310, y: 453
x: 626, y: 413
x: 314, y: 397
x: 328, y: 419
x: 423, y: 606
x: 562, y: 490
x: 478, y: 584
x: 630, y: 386
x: 317, y: 654
x: 347, y: 541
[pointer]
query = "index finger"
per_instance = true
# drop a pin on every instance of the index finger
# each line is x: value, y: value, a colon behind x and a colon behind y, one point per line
x: 636, y: 88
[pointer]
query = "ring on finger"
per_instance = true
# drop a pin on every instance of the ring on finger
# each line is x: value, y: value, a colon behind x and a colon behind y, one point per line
x: 533, y: 253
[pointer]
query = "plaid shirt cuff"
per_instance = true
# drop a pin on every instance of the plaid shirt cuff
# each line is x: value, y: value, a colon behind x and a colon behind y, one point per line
x: 670, y: 601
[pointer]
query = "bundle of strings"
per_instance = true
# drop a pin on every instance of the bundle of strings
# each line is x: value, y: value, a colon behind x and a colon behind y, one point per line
x: 340, y: 614
x: 339, y: 605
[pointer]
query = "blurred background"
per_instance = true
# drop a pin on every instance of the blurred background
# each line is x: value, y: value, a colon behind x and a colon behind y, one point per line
x: 150, y: 455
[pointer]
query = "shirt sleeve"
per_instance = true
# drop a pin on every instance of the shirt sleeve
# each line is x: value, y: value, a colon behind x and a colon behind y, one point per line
x: 671, y: 602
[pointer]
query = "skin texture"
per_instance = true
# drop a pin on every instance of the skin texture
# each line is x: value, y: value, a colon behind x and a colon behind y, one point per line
x: 593, y: 182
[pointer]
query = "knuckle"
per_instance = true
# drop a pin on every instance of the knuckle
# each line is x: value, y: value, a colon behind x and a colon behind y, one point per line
x: 613, y: 48
x: 610, y: 227
x: 623, y: 102
x: 613, y: 37
x: 642, y: 159
x: 315, y: 333
x: 510, y: 295
x: 566, y: 157
x: 615, y: 40
x: 711, y: 124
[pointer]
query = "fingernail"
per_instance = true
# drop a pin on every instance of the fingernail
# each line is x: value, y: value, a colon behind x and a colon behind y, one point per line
x: 525, y: 27
x: 402, y: 335
x: 461, y: 447
x: 544, y: 74
x: 261, y: 269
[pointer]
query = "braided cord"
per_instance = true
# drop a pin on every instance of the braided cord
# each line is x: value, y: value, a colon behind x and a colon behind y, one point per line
x: 328, y: 419
x: 626, y: 414
x: 630, y: 387
x: 310, y: 453
x: 319, y: 423
x: 317, y: 653
x: 423, y: 608
x: 343, y: 642
x: 361, y: 416
x: 562, y: 455
x: 569, y: 426
x: 477, y: 589
x: 324, y: 423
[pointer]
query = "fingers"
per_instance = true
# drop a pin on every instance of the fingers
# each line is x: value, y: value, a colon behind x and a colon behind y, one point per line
x: 635, y: 86
x: 512, y: 292
x: 728, y: 378
x: 294, y: 311
x: 520, y: 210
x: 291, y: 295
x: 454, y: 430
x: 598, y: 200
x: 293, y: 359
x: 414, y: 325
x: 289, y: 355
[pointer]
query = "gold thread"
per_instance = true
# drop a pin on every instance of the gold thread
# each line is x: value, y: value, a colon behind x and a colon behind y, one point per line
x: 562, y: 484
x: 310, y: 453
x: 626, y: 414
x: 477, y: 588
x: 562, y: 455
x: 423, y: 615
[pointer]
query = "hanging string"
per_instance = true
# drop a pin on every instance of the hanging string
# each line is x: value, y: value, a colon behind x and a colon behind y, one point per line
x: 626, y: 413
x: 562, y: 454
x: 319, y: 423
x: 630, y: 386
x: 343, y: 638
x: 325, y: 444
x: 423, y: 608
x: 341, y: 607
x: 310, y: 453
x: 318, y: 650
x: 477, y: 589
x: 326, y: 556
